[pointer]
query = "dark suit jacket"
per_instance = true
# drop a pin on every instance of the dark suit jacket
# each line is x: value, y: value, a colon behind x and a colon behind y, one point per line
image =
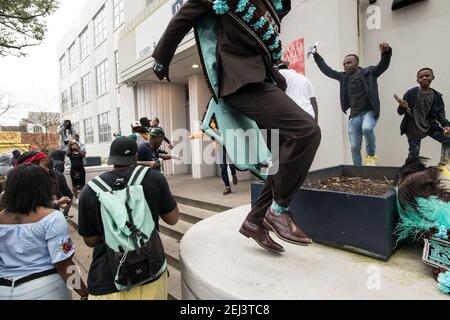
x: 371, y: 74
x: 240, y: 60
x: 436, y: 116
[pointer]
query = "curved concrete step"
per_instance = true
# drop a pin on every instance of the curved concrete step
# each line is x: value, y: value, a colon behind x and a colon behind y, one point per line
x: 201, y: 204
x: 174, y: 285
x: 193, y: 215
x: 177, y: 231
x: 172, y: 250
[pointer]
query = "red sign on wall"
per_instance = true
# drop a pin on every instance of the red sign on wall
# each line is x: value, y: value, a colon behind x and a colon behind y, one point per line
x: 294, y: 52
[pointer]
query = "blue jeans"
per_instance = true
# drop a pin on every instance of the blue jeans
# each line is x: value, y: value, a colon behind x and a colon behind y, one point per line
x: 438, y: 135
x: 359, y: 126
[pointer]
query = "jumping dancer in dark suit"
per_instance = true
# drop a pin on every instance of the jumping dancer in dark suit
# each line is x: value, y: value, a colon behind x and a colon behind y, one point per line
x: 247, y: 50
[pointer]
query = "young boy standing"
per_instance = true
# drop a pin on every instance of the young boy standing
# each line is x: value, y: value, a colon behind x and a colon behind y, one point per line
x: 424, y: 115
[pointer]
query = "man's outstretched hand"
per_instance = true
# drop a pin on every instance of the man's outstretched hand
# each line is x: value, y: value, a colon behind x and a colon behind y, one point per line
x: 161, y: 71
x: 384, y: 47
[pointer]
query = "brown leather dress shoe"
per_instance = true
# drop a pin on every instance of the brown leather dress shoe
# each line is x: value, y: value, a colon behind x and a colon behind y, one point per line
x: 285, y: 228
x: 227, y: 191
x: 261, y: 236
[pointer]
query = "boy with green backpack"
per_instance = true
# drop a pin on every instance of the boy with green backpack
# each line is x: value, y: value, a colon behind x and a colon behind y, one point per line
x: 118, y: 216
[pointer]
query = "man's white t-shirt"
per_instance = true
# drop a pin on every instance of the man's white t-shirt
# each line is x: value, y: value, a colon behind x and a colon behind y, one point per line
x: 299, y: 89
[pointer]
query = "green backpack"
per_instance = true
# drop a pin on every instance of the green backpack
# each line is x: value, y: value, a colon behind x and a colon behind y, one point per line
x: 135, y: 251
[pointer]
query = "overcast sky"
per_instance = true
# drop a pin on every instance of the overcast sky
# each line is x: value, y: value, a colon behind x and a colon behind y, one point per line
x: 33, y: 80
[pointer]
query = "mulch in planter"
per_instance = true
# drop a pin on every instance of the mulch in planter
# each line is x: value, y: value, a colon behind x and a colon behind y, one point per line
x: 353, y: 185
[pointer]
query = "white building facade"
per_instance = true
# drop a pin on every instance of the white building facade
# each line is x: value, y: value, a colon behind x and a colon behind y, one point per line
x: 89, y: 77
x: 341, y: 26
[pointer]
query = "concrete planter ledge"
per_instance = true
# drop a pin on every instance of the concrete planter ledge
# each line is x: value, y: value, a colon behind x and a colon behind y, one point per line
x: 217, y: 262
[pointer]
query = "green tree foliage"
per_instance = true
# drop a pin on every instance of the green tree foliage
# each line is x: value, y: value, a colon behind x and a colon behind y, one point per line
x: 22, y: 24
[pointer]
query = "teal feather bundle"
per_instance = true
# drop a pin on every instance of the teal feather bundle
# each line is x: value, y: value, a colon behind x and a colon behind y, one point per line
x: 426, y: 214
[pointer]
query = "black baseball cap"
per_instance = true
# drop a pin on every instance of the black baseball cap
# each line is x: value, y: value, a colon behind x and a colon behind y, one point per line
x: 122, y: 152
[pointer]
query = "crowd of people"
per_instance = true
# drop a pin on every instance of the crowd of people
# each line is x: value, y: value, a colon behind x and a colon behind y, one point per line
x: 40, y: 265
x: 38, y: 214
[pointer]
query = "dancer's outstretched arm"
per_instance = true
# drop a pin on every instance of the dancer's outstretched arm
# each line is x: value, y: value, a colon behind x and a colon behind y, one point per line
x: 177, y: 29
x: 386, y: 55
x: 326, y: 69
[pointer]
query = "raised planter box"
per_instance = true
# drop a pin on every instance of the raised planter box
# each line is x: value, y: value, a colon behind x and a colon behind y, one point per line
x: 93, y: 162
x: 357, y: 223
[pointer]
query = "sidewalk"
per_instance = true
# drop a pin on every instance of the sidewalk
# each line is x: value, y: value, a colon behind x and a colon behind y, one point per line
x: 210, y: 190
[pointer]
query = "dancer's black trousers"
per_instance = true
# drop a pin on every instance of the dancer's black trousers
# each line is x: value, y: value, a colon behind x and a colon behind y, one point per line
x: 299, y: 139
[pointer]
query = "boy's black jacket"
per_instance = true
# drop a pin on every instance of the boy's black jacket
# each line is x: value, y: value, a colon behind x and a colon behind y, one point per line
x: 437, y: 114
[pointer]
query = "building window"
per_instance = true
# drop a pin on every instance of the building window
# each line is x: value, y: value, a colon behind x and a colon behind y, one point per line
x: 62, y: 67
x: 104, y: 127
x: 99, y: 27
x: 37, y: 129
x: 74, y: 95
x: 101, y: 75
x: 118, y: 13
x: 85, y: 89
x: 84, y: 44
x: 64, y: 102
x: 116, y: 60
x: 88, y: 131
x: 76, y: 127
x: 72, y: 57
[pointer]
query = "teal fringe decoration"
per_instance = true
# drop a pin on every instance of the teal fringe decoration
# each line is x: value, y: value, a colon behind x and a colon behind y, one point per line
x: 277, y: 56
x: 242, y: 5
x: 261, y: 22
x: 275, y: 44
x: 443, y: 233
x: 429, y: 213
x: 268, y: 34
x: 250, y: 13
x: 444, y: 282
x: 221, y: 7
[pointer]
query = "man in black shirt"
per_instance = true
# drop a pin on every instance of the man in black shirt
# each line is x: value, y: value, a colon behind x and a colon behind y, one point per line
x: 424, y: 115
x: 123, y: 156
x: 359, y: 93
x: 149, y: 154
x: 155, y: 124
